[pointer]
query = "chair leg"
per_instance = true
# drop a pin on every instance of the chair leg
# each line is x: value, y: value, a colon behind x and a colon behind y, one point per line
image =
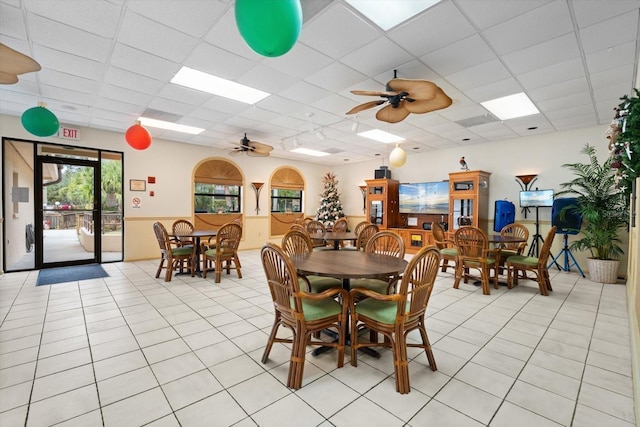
x: 542, y: 282
x: 354, y: 339
x: 456, y: 282
x: 484, y: 279
x: 296, y: 367
x: 170, y: 266
x: 160, y: 267
x: 427, y: 346
x: 272, y: 337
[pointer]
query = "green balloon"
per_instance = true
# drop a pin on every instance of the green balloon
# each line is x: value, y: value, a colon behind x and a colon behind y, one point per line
x: 270, y: 27
x: 40, y: 121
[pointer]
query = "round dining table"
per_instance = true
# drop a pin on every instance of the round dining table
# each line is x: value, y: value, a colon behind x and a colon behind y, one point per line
x: 196, y: 235
x: 348, y: 265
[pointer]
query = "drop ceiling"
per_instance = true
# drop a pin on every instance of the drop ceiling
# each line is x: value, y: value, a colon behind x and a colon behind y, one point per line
x: 105, y: 63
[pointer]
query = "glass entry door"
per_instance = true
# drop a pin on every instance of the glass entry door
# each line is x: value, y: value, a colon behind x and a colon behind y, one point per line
x: 66, y: 231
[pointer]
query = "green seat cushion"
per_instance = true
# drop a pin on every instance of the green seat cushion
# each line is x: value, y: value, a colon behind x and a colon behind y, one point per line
x: 380, y: 311
x: 212, y: 252
x: 321, y: 284
x: 376, y: 285
x: 505, y: 253
x: 489, y: 261
x: 182, y: 250
x: 523, y: 260
x: 449, y: 252
x: 319, y: 309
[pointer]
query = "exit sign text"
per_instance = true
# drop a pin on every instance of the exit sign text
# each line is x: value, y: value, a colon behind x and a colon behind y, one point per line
x: 68, y: 133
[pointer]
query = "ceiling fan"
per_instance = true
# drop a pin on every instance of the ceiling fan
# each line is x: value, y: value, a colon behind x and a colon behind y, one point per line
x: 404, y: 96
x: 252, y: 148
x: 13, y: 63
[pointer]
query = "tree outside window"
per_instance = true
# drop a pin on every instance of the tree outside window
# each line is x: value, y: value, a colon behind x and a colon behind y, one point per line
x: 284, y: 200
x: 216, y: 198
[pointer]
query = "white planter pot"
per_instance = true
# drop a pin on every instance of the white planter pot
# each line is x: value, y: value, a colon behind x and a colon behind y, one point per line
x: 603, y: 271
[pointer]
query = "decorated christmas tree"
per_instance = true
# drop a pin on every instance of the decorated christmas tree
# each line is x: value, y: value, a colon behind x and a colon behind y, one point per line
x: 624, y: 142
x: 330, y: 208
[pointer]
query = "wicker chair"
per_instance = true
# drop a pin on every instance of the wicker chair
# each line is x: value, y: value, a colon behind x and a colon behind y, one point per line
x: 387, y: 243
x: 521, y: 263
x: 305, y: 314
x: 340, y: 225
x: 299, y: 227
x: 315, y: 228
x: 474, y: 253
x: 182, y: 226
x: 172, y: 252
x: 396, y: 315
x: 296, y: 242
x: 363, y: 236
x: 513, y: 230
x: 221, y: 251
x: 447, y: 248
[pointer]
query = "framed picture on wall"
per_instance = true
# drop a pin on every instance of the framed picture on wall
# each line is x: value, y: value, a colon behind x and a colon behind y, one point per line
x: 137, y: 185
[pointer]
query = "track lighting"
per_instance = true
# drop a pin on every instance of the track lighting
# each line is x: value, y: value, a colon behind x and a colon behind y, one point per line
x: 355, y: 126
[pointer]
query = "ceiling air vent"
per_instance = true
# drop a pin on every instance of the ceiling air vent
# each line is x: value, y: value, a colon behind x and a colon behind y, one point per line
x: 478, y: 120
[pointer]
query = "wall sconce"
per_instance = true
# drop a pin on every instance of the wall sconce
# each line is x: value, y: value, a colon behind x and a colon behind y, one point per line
x: 525, y: 182
x: 257, y: 186
x: 363, y: 189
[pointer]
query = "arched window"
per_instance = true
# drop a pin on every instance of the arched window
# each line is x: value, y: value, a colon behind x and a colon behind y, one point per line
x: 217, y: 190
x: 287, y: 199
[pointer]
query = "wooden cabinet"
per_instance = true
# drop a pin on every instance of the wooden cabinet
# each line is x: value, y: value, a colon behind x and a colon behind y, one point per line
x: 414, y: 238
x: 382, y: 202
x: 469, y: 199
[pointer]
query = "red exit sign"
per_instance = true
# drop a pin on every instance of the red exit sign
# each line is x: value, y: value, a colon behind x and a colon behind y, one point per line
x: 68, y: 133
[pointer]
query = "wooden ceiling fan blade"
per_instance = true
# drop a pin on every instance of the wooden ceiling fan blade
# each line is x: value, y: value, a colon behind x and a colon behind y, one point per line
x: 417, y: 89
x: 8, y: 79
x: 260, y: 148
x: 373, y: 93
x: 392, y: 115
x: 440, y: 101
x: 366, y: 106
x: 14, y: 62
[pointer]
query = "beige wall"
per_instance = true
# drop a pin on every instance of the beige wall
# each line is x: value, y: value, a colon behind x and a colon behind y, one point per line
x: 633, y: 300
x: 173, y: 164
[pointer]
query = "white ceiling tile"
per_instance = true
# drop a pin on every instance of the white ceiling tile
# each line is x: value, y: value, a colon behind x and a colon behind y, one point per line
x: 439, y: 26
x: 300, y: 61
x: 487, y: 13
x: 589, y: 12
x: 184, y: 94
x: 171, y: 106
x: 67, y: 96
x: 226, y: 36
x: 68, y: 63
x: 376, y: 57
x: 611, y: 77
x: 143, y: 63
x: 612, y: 58
x: 155, y: 38
x: 459, y: 56
x: 478, y: 75
x: 336, y: 31
x: 131, y: 110
x: 534, y: 27
x: 68, y: 39
x: 303, y: 92
x: 213, y: 60
x: 133, y: 81
x: 599, y: 36
x: 126, y: 95
x: 335, y: 76
x: 493, y: 90
x: 559, y: 72
x: 12, y: 23
x: 543, y: 54
x: 279, y: 105
x: 67, y: 81
x: 560, y: 90
x: 94, y: 16
x: 266, y: 78
x: 193, y: 21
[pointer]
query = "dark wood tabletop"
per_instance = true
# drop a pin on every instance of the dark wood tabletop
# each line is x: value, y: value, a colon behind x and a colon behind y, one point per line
x: 197, y: 233
x: 348, y: 264
x: 499, y: 240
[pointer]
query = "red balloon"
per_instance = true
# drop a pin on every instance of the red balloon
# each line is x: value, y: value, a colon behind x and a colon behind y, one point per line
x: 138, y: 137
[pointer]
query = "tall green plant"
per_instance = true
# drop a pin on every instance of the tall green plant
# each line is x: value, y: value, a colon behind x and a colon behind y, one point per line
x: 601, y: 204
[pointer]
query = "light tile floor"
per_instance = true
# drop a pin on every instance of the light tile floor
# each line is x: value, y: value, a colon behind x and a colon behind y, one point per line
x: 131, y: 350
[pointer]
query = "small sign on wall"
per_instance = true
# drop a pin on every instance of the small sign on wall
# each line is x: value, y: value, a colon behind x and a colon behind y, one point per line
x: 69, y: 133
x: 135, y: 202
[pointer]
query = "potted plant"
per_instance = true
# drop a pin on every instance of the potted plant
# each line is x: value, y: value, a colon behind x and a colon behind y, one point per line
x: 604, y: 213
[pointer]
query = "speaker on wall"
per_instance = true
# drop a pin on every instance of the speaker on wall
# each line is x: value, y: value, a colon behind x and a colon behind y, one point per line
x: 383, y: 172
x: 568, y: 222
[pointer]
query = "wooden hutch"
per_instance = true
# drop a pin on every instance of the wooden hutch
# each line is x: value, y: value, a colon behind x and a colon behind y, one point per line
x: 382, y: 202
x: 469, y: 199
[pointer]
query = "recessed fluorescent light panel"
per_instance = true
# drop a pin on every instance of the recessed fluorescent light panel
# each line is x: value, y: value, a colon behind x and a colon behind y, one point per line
x: 309, y: 152
x: 209, y: 83
x: 510, y: 107
x: 169, y: 126
x: 389, y: 13
x: 381, y: 136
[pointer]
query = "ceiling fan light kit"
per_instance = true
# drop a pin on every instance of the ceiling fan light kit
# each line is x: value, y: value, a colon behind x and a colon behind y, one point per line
x: 252, y: 148
x: 404, y: 97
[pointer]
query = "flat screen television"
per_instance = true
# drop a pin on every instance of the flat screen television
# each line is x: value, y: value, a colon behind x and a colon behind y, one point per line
x: 424, y: 198
x: 536, y: 198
